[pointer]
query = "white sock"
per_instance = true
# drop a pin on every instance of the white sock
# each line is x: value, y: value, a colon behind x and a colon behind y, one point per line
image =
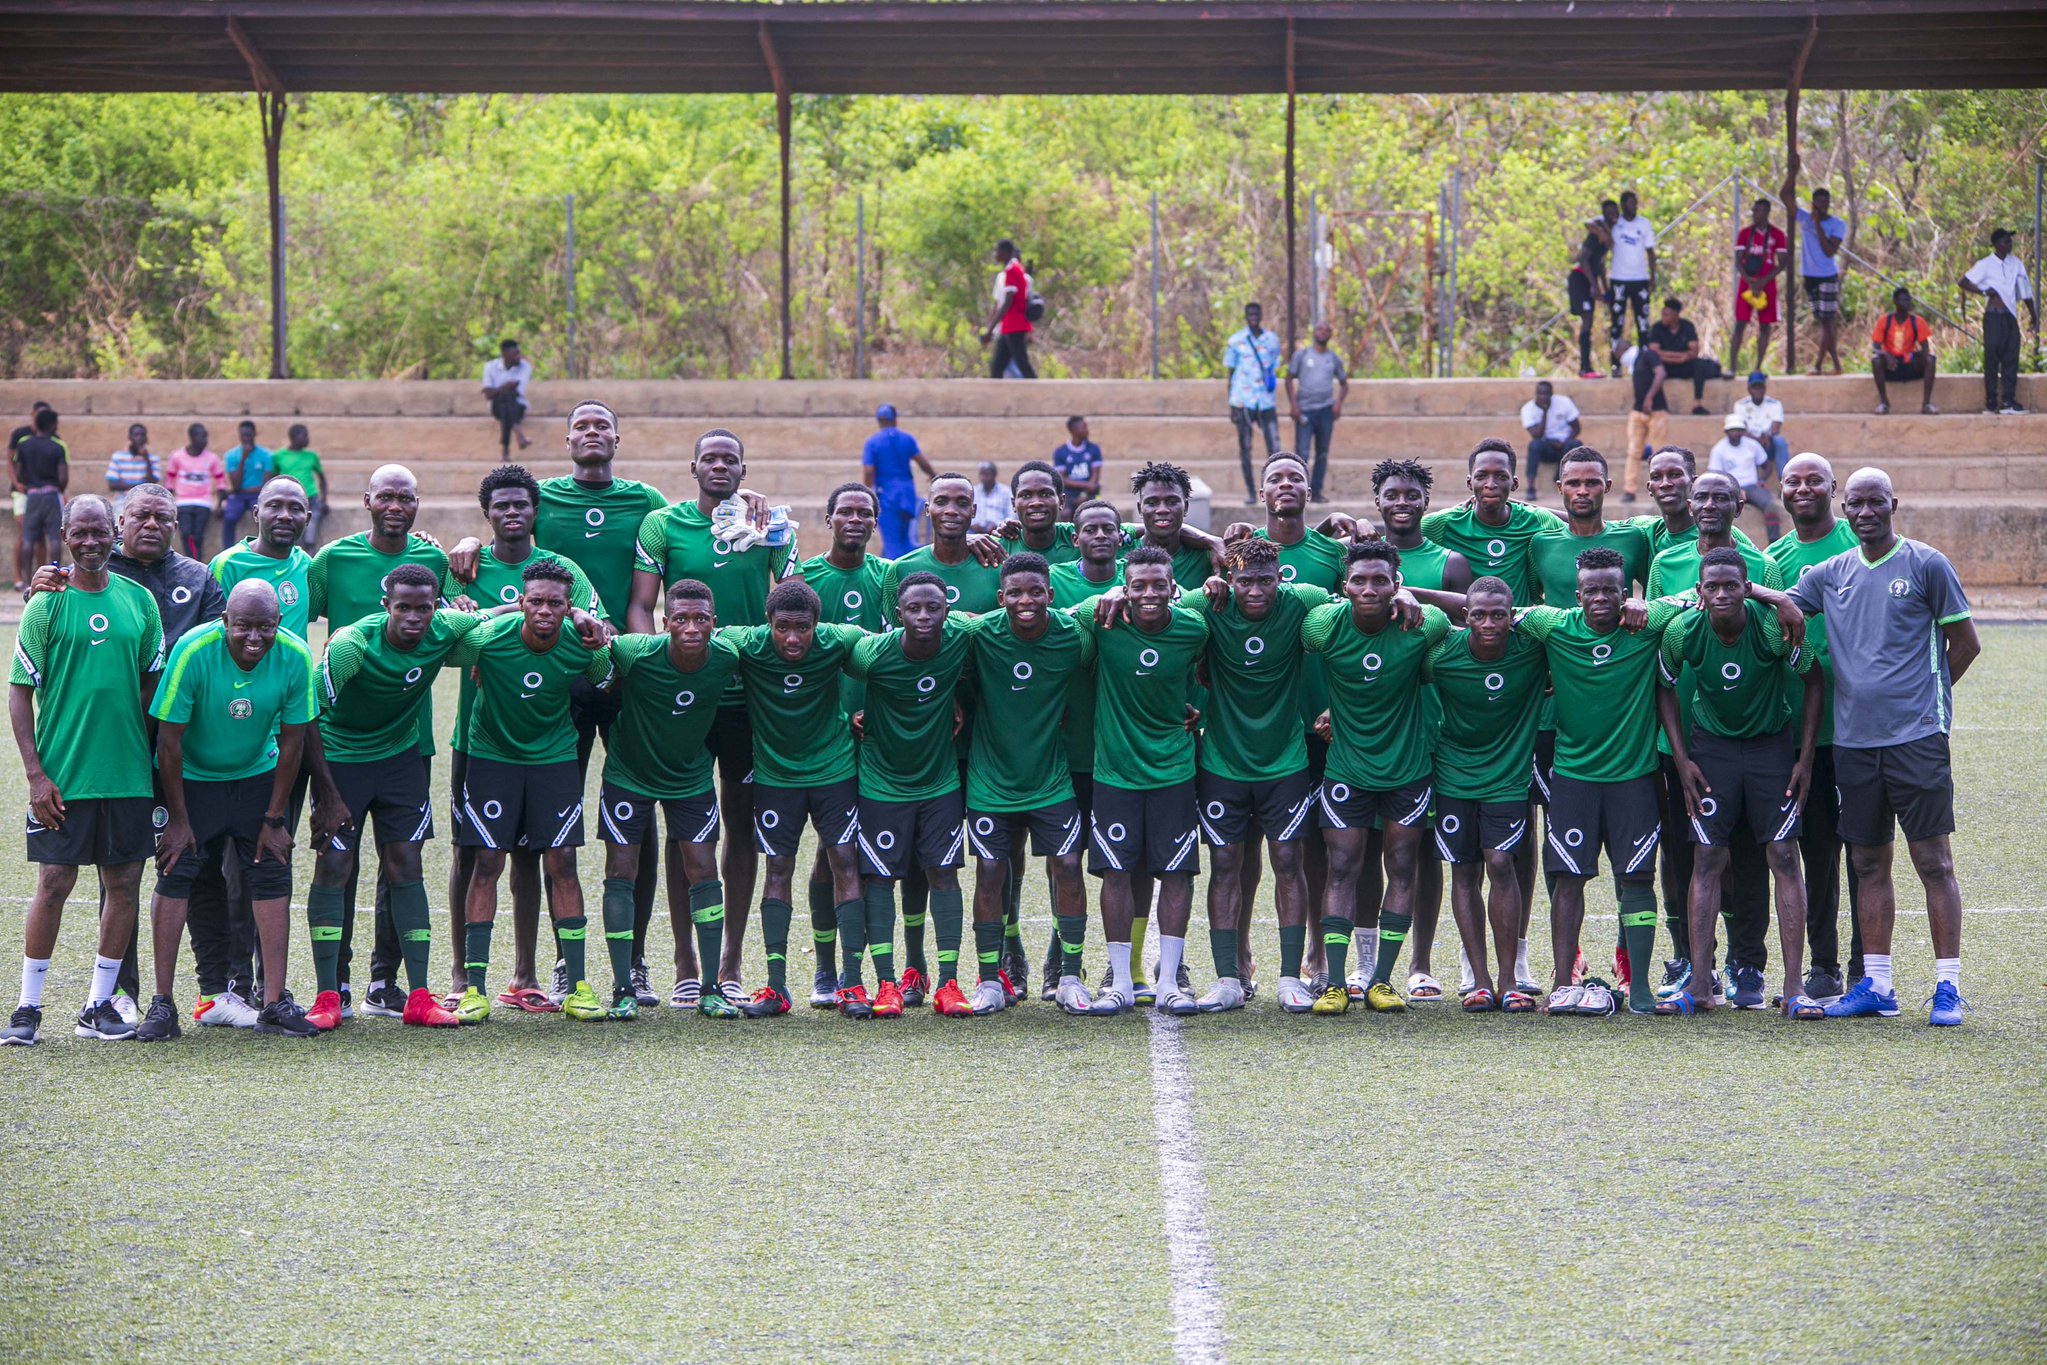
x: 1948, y: 969
x: 33, y: 970
x: 1367, y: 944
x: 1521, y: 960
x: 1171, y: 950
x: 1119, y: 969
x: 1466, y: 979
x: 104, y: 972
x: 1877, y: 966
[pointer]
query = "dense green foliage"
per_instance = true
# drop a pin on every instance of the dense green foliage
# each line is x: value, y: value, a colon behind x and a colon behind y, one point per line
x: 420, y: 229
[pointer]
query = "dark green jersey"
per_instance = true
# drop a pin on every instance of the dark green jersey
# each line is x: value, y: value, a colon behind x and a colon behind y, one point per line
x: 596, y: 528
x: 1019, y: 759
x: 231, y: 714
x: 1553, y: 559
x: 908, y: 753
x: 800, y: 734
x: 676, y: 542
x: 1675, y: 570
x: 1499, y: 551
x: 1424, y: 566
x: 1141, y: 684
x: 1794, y: 557
x: 970, y: 585
x: 1191, y: 568
x: 1071, y: 588
x: 1737, y: 689
x: 288, y: 576
x: 1661, y: 537
x: 1251, y: 731
x: 849, y: 597
x: 1485, y: 748
x: 1380, y: 735
x: 1605, y: 691
x: 521, y: 711
x: 372, y: 692
x: 656, y: 748
x: 346, y: 580
x: 500, y: 584
x: 1315, y: 560
x: 1062, y: 550
x: 86, y: 654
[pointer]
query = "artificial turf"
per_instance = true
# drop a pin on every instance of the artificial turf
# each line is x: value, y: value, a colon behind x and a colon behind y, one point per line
x: 1734, y: 1187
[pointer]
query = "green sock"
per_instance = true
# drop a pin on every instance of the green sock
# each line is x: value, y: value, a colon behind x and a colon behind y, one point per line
x: 1293, y: 945
x: 1012, y: 910
x: 476, y: 951
x: 415, y: 934
x: 916, y: 907
x: 1392, y: 933
x: 949, y: 909
x: 879, y: 897
x: 824, y: 926
x: 775, y: 917
x: 988, y: 947
x: 572, y: 935
x: 326, y: 907
x: 1137, y: 928
x: 618, y: 930
x: 1223, y: 943
x: 1336, y: 946
x: 852, y: 921
x: 707, y: 913
x: 1072, y: 938
x: 1680, y: 934
x: 1638, y: 925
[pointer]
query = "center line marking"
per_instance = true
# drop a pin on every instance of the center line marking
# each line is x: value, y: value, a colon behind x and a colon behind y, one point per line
x: 1197, y: 1298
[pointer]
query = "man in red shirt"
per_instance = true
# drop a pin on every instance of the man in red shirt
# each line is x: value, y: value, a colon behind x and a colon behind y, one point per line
x: 1009, y: 327
x: 1900, y: 351
x: 1758, y: 260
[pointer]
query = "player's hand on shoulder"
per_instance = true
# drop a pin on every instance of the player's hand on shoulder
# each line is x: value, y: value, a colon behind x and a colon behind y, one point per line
x: 464, y: 559
x: 1236, y: 531
x: 594, y: 632
x: 48, y: 578
x: 1111, y: 607
x: 1217, y: 590
x: 1407, y: 609
x: 987, y: 550
x: 1634, y: 614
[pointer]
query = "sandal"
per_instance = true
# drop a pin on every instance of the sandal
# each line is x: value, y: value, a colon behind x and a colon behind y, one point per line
x: 1518, y: 1002
x: 1479, y: 1000
x: 1929, y: 409
x: 1422, y: 986
x: 1678, y: 1004
x: 530, y: 999
x: 1802, y: 1006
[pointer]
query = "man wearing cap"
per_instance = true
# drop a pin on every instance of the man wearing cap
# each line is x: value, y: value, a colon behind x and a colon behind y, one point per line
x: 1741, y: 457
x: 885, y: 465
x: 2001, y: 279
x: 1763, y: 418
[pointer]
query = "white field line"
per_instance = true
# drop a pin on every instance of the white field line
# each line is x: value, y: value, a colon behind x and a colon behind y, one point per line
x: 1197, y: 1299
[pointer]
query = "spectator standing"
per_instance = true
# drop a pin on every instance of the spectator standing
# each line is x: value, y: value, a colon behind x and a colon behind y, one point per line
x: 1758, y: 261
x: 993, y: 502
x: 1820, y: 235
x: 2001, y: 279
x: 1763, y: 418
x: 299, y: 461
x: 1586, y: 284
x: 1251, y: 360
x: 1009, y: 326
x: 199, y: 480
x: 1901, y: 350
x: 247, y: 465
x: 885, y: 466
x: 1316, y: 386
x: 504, y: 384
x: 1648, y: 418
x: 41, y: 465
x: 25, y: 430
x: 1552, y: 422
x: 132, y: 466
x: 1079, y: 463
x: 1632, y: 272
x: 1740, y: 457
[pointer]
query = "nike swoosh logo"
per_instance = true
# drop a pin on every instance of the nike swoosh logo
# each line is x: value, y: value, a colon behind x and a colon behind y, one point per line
x: 522, y: 695
x: 588, y: 534
x: 1017, y: 687
x: 102, y: 640
x: 240, y: 685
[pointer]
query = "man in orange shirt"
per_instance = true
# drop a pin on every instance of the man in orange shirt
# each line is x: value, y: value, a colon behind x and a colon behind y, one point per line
x: 1899, y: 352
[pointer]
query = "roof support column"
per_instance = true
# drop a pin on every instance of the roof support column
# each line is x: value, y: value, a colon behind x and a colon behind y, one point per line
x: 1789, y: 290
x: 782, y: 117
x: 1291, y: 334
x: 270, y: 106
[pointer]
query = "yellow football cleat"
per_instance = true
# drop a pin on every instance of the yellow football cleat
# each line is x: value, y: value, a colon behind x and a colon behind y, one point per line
x: 1382, y: 998
x: 582, y: 1004
x: 1333, y: 1000
x: 473, y: 1007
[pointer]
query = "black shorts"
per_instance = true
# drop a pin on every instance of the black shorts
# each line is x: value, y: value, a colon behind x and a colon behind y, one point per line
x: 1747, y: 778
x: 227, y: 817
x: 1284, y: 809
x: 1545, y: 767
x: 731, y: 744
x: 1084, y: 793
x: 1055, y: 830
x: 1912, y: 783
x: 626, y: 818
x: 394, y: 792
x: 1153, y: 831
x: 1318, y: 756
x: 1466, y: 830
x: 1348, y: 807
x: 519, y: 805
x: 1624, y: 816
x: 1908, y: 369
x: 1580, y: 290
x: 1823, y: 296
x: 1628, y: 296
x: 42, y: 518
x: 897, y: 838
x: 104, y: 831
x: 779, y: 813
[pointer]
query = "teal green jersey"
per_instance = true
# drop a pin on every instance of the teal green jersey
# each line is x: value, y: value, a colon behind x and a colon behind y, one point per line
x: 1062, y: 550
x: 1794, y: 557
x: 1605, y: 691
x: 1141, y: 684
x: 232, y: 715
x: 1019, y: 758
x: 970, y: 585
x: 1553, y: 558
x: 1313, y: 561
x: 1380, y: 738
x: 665, y: 714
x: 372, y: 692
x: 288, y: 576
x: 1675, y: 570
x: 1498, y: 551
x: 500, y: 584
x: 596, y: 527
x: 87, y: 655
x: 801, y: 738
x: 849, y: 597
x: 1738, y: 689
x: 1423, y: 566
x: 1485, y: 748
x: 1661, y: 537
x: 908, y: 751
x: 521, y: 711
x: 1073, y: 588
x: 346, y: 580
x: 676, y: 543
x: 1252, y: 729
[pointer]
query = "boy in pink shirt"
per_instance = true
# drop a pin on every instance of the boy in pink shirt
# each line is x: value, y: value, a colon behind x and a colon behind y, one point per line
x: 199, y: 481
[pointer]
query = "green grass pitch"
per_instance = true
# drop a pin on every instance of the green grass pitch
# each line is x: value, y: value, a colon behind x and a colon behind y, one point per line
x: 1425, y: 1186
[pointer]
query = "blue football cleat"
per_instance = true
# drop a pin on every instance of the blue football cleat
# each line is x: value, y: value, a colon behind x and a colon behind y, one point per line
x: 1947, y: 1006
x: 1863, y: 1001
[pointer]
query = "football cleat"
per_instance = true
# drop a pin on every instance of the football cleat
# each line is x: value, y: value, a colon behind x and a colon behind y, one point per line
x: 1334, y: 999
x: 1564, y: 1000
x: 1226, y: 994
x: 1011, y: 987
x: 888, y: 1001
x: 625, y: 1006
x: 1111, y: 999
x: 1293, y: 995
x: 767, y: 1002
x: 913, y: 987
x: 558, y: 984
x: 1623, y: 970
x: 992, y: 997
x: 1947, y: 1005
x: 582, y: 1004
x: 325, y: 1015
x: 643, y: 989
x: 1595, y: 998
x: 473, y: 1007
x: 854, y: 1004
x: 1072, y: 995
x: 1381, y: 998
x: 226, y: 1010
x: 423, y: 1011
x: 714, y: 1005
x: 1176, y: 1002
x: 950, y: 1001
x: 1677, y: 976
x: 824, y: 989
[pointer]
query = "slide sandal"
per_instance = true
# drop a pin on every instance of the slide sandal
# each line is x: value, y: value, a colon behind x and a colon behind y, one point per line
x: 1803, y: 1006
x: 1423, y: 987
x: 1479, y: 1001
x: 1518, y: 1002
x: 1681, y: 1003
x: 530, y: 999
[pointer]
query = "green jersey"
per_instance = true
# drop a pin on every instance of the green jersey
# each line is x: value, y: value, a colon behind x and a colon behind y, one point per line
x: 849, y: 597
x: 1498, y: 551
x: 1019, y: 759
x: 1071, y: 588
x: 1793, y: 558
x: 232, y: 715
x: 1485, y: 748
x: 1314, y: 561
x: 1252, y: 731
x: 908, y: 753
x: 346, y: 581
x: 1553, y: 559
x: 1381, y: 740
x: 676, y: 542
x: 1141, y: 684
x: 1675, y: 571
x: 521, y: 711
x: 1605, y: 691
x: 288, y: 576
x: 1738, y: 689
x: 1424, y: 566
x: 501, y: 584
x: 90, y: 734
x: 301, y: 466
x: 656, y: 748
x: 596, y: 528
x: 1065, y: 546
x: 800, y: 734
x: 970, y: 585
x: 372, y: 692
x: 1661, y: 537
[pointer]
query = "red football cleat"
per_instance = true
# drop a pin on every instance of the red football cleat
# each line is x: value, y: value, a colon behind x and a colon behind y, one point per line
x: 951, y: 1001
x: 1009, y: 988
x: 888, y: 1001
x: 1579, y: 968
x: 915, y: 987
x: 325, y: 1015
x: 1621, y: 973
x: 853, y: 1002
x: 423, y: 1011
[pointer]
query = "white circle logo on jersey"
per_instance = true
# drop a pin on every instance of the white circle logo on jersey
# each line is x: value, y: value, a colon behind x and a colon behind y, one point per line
x: 1372, y: 662
x: 791, y: 681
x: 853, y: 599
x: 241, y: 708
x: 1731, y: 671
x: 1451, y: 824
x: 984, y: 826
x: 1287, y: 573
x: 1497, y: 549
x: 99, y: 624
x: 1339, y: 793
x: 1708, y: 807
x: 926, y: 685
x: 622, y: 811
x: 1022, y: 671
x: 1899, y: 587
x: 493, y: 809
x: 508, y: 594
x: 1574, y: 837
x: 594, y: 517
x: 1149, y: 658
x: 181, y: 595
x: 288, y: 593
x: 1115, y: 833
x: 532, y: 680
x: 1254, y: 646
x: 1494, y: 682
x: 1601, y: 653
x: 952, y: 595
x: 885, y: 840
x: 159, y: 817
x: 413, y: 675
x: 685, y: 700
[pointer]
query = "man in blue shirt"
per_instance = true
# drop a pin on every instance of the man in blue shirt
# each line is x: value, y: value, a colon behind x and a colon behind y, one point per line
x: 1820, y: 235
x: 885, y: 465
x: 1251, y: 359
x: 248, y: 466
x: 1079, y: 463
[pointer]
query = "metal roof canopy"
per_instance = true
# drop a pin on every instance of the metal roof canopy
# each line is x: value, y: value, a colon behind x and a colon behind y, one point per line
x: 1019, y: 46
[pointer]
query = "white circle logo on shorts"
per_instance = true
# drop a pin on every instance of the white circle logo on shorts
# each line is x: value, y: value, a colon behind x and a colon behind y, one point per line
x: 159, y: 817
x: 1451, y: 824
x: 1022, y: 671
x: 791, y: 681
x: 885, y: 840
x: 1254, y: 646
x: 508, y: 593
x: 952, y: 595
x: 1601, y: 653
x: 926, y: 684
x: 1494, y: 682
x: 99, y: 624
x: 1372, y: 662
x: 1149, y: 658
x: 493, y: 809
x: 1731, y: 671
x: 1215, y: 810
x: 413, y: 675
x: 1574, y: 837
x: 1708, y: 806
x: 769, y: 819
x: 532, y: 680
x: 984, y: 826
x: 622, y: 811
x: 1339, y: 793
x: 1497, y: 549
x: 594, y: 517
x: 1287, y: 573
x: 1115, y: 833
x: 685, y: 700
x: 288, y: 593
x: 181, y: 595
x: 853, y: 599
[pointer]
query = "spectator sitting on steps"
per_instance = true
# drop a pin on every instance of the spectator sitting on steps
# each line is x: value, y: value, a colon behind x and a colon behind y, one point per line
x: 1763, y: 418
x: 1900, y: 351
x: 504, y: 384
x: 1553, y: 424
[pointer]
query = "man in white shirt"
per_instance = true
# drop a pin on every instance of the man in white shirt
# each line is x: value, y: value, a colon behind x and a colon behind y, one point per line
x: 1631, y: 273
x: 2001, y: 279
x: 993, y: 502
x: 1552, y: 423
x: 1763, y: 418
x: 504, y: 384
x: 1738, y: 455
